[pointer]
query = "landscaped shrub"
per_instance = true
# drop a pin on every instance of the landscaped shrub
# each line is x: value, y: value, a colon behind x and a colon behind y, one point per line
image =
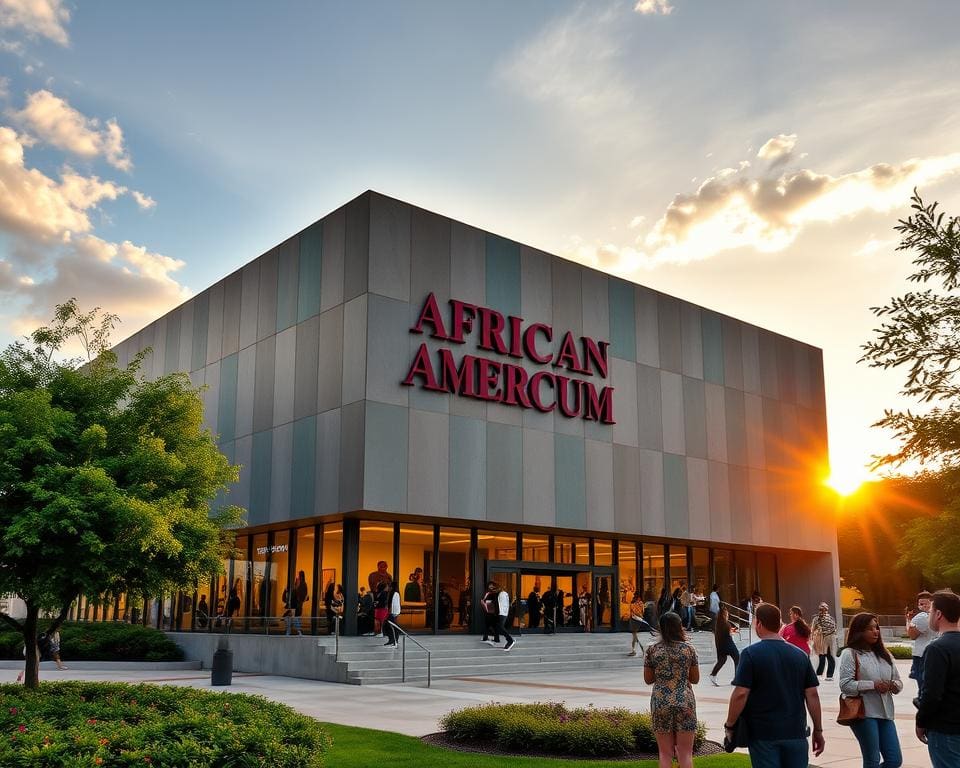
x: 113, y: 724
x: 101, y: 641
x: 901, y: 651
x: 554, y: 729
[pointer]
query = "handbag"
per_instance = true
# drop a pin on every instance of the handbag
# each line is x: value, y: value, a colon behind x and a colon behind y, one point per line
x: 851, y: 707
x: 739, y: 737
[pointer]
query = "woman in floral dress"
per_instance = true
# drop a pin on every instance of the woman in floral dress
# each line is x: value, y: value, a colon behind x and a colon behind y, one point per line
x: 672, y: 667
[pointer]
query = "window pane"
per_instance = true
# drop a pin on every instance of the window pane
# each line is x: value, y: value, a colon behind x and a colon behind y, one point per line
x: 279, y: 579
x: 724, y: 576
x: 678, y: 567
x: 746, y: 563
x: 255, y: 604
x: 602, y: 552
x: 415, y: 577
x: 455, y: 599
x: 568, y: 549
x: 700, y: 569
x: 654, y: 572
x: 536, y: 547
x: 497, y: 545
x: 627, y: 554
x: 235, y: 589
x: 767, y: 576
x: 305, y: 570
x: 376, y: 552
x: 332, y: 573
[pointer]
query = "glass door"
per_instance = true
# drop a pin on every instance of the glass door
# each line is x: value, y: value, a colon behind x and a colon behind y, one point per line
x: 509, y: 579
x: 603, y: 596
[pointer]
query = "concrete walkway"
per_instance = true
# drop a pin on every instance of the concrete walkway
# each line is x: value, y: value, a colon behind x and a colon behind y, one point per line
x: 415, y: 710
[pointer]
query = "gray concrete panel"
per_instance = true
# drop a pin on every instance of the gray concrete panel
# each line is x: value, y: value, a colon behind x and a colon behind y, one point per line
x: 246, y: 383
x: 303, y: 468
x: 570, y: 481
x: 652, y: 513
x: 356, y: 247
x: 694, y: 418
x: 595, y: 291
x: 698, y: 499
x: 267, y: 311
x: 468, y: 468
x: 332, y: 260
x: 769, y: 378
x: 676, y: 508
x: 801, y: 367
x: 649, y: 409
x: 307, y: 368
x: 732, y: 353
x: 719, y: 482
x: 468, y: 264
x: 211, y: 396
x: 623, y: 319
x: 539, y: 491
x: 599, y: 486
x: 388, y: 356
x: 786, y: 377
x: 386, y: 443
x: 389, y: 247
x: 185, y: 346
x: 310, y: 270
x: 750, y: 349
x: 424, y: 399
x: 171, y: 350
x: 567, y: 301
x: 504, y: 472
x: 242, y: 457
x: 716, y: 422
x: 773, y: 447
x: 261, y: 467
x: 249, y: 306
x: 429, y: 257
x: 671, y: 401
x: 354, y: 350
x: 536, y: 281
x: 624, y: 381
x: 532, y: 418
x: 428, y: 473
x: 648, y: 327
x: 691, y: 344
x: 816, y: 376
x: 351, y: 456
x: 753, y: 410
x: 226, y: 402
x: 474, y: 409
x: 201, y: 329
x: 288, y: 283
x: 505, y: 414
x: 263, y: 386
x: 711, y: 328
x: 285, y: 376
x: 330, y: 361
x: 759, y: 508
x: 280, y: 473
x: 228, y: 341
x: 792, y: 440
x: 626, y: 489
x: 668, y: 322
x: 327, y: 469
x: 736, y: 418
x: 741, y: 522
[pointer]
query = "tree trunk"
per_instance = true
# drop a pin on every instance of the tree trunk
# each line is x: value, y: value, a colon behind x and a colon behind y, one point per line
x: 31, y: 674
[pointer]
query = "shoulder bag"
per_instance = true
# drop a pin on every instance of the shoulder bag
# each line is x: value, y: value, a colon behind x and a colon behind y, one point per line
x: 851, y: 707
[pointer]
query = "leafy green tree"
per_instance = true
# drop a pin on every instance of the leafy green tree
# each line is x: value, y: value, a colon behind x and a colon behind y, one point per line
x: 105, y: 479
x: 920, y: 331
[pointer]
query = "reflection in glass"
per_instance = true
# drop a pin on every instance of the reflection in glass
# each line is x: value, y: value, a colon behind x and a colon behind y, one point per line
x: 767, y: 576
x: 454, y: 597
x: 602, y: 552
x: 536, y: 547
x: 627, y: 556
x: 305, y: 566
x: 415, y: 577
x: 497, y: 545
x: 330, y: 575
x: 654, y: 572
x: 678, y: 567
x: 724, y: 575
x: 568, y: 549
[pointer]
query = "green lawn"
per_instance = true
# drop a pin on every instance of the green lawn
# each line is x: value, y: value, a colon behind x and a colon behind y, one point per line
x: 362, y: 748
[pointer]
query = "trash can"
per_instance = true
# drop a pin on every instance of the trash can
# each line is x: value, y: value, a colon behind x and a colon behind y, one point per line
x: 221, y: 673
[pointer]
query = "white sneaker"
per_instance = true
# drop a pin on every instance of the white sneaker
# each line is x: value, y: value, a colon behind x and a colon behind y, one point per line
x: 491, y: 642
x: 379, y: 634
x: 509, y: 645
x: 713, y: 679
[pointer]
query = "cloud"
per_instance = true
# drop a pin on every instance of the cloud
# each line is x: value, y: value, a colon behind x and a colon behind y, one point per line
x: 12, y: 46
x: 52, y: 120
x: 144, y: 201
x: 875, y: 245
x: 4, y: 87
x: 37, y: 18
x: 766, y: 212
x: 659, y: 7
x: 779, y: 149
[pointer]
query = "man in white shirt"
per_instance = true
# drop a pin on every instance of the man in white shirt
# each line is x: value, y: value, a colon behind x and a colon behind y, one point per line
x: 503, y: 609
x: 918, y: 628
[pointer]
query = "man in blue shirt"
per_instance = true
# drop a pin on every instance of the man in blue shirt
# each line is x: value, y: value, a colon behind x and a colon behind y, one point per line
x: 775, y: 685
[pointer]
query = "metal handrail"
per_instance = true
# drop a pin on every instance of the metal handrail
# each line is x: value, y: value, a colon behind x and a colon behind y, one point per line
x: 403, y: 652
x: 743, y: 616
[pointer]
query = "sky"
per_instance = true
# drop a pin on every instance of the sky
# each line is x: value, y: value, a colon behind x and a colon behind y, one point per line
x: 751, y: 157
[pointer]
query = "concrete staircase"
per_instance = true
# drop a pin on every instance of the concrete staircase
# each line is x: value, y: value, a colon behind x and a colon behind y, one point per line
x: 365, y: 660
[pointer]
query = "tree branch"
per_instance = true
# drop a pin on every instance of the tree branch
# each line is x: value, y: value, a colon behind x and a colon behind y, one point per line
x: 12, y: 622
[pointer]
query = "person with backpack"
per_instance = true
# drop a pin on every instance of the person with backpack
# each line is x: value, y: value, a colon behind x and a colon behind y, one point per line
x: 491, y: 626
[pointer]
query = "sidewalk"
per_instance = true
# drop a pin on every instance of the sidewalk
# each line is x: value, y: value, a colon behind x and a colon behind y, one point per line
x: 415, y: 710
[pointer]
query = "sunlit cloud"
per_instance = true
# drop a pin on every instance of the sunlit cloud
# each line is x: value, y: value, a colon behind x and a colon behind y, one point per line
x: 144, y: 201
x: 659, y: 7
x: 779, y: 149
x: 876, y: 245
x: 52, y: 120
x: 36, y: 18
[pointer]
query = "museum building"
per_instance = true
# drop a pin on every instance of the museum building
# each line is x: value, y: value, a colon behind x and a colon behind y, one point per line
x: 412, y: 396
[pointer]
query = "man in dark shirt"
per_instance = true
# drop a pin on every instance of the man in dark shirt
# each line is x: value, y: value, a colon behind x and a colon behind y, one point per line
x: 773, y: 683
x: 938, y: 706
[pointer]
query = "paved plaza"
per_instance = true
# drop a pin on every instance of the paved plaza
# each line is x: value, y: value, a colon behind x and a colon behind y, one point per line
x: 414, y: 709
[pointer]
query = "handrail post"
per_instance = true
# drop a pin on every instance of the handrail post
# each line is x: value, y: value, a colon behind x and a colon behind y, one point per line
x: 336, y: 637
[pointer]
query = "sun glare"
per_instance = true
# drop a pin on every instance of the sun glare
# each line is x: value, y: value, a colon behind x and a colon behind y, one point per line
x: 846, y: 482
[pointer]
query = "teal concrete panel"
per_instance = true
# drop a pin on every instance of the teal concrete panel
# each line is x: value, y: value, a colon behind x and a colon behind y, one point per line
x: 386, y: 433
x: 261, y: 467
x: 311, y: 267
x: 288, y: 279
x: 711, y: 328
x: 468, y: 468
x: 227, y: 405
x: 623, y: 319
x: 675, y: 495
x: 504, y: 472
x: 303, y: 468
x: 201, y: 320
x: 503, y: 275
x: 570, y: 481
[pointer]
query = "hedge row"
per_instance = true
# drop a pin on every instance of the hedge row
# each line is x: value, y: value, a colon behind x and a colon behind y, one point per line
x: 101, y: 642
x: 553, y: 729
x: 61, y: 725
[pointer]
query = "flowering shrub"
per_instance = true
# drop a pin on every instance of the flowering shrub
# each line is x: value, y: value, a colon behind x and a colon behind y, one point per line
x: 113, y: 724
x: 101, y: 641
x: 548, y: 728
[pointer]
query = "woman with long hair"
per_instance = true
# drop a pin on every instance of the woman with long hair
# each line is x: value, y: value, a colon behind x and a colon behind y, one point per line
x: 797, y: 632
x: 672, y: 667
x: 823, y: 630
x: 867, y: 670
x: 723, y: 638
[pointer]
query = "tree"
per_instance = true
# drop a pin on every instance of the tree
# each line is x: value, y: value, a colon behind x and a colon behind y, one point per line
x: 921, y: 331
x: 105, y: 479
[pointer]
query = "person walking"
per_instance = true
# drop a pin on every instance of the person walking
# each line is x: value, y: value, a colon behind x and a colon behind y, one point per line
x: 797, y: 632
x: 713, y: 603
x: 726, y: 647
x: 294, y: 598
x: 491, y: 626
x: 672, y: 667
x: 867, y: 670
x: 637, y: 623
x: 584, y: 601
x: 773, y: 684
x: 823, y: 632
x: 918, y: 630
x: 503, y: 611
x: 390, y: 628
x: 534, y: 607
x: 550, y: 611
x: 938, y: 706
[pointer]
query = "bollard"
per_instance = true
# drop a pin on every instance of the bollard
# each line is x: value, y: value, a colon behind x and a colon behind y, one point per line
x: 221, y: 672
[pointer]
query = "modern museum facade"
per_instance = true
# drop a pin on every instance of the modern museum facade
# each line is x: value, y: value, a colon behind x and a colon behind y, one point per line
x: 413, y: 396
